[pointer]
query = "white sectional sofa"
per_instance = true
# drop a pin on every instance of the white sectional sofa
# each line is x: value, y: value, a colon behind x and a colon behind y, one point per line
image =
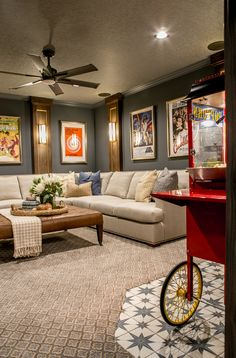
x: 149, y: 222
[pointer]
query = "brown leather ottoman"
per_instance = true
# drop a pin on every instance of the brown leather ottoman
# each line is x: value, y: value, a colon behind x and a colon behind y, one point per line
x: 75, y: 218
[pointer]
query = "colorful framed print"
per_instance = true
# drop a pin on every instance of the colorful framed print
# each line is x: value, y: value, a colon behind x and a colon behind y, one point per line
x: 73, y: 142
x: 143, y: 134
x: 10, y: 140
x: 177, y: 128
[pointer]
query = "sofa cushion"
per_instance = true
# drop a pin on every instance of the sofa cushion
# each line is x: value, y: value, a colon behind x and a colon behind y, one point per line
x: 119, y: 184
x: 9, y: 187
x: 90, y: 177
x: 166, y: 180
x: 106, y: 207
x: 74, y: 190
x: 105, y: 177
x: 140, y: 212
x: 86, y: 201
x: 133, y: 184
x: 144, y: 186
x: 7, y: 203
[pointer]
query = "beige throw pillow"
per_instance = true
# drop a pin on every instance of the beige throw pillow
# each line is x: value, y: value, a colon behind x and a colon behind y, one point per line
x: 73, y: 190
x: 145, y: 185
x: 65, y: 179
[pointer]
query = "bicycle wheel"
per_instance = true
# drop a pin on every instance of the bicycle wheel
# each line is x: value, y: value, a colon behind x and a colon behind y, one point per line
x: 175, y: 307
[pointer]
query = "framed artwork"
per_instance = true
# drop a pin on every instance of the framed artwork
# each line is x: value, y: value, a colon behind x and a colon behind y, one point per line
x: 10, y: 140
x: 143, y: 134
x: 177, y: 128
x: 73, y: 142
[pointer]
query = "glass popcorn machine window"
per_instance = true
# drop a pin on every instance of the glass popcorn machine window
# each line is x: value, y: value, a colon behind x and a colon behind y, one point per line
x: 208, y: 130
x: 206, y: 133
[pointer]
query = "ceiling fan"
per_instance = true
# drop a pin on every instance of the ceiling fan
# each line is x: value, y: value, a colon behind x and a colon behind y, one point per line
x: 51, y: 77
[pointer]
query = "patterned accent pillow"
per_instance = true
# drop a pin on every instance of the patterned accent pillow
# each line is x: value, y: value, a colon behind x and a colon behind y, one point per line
x: 90, y: 177
x: 166, y: 180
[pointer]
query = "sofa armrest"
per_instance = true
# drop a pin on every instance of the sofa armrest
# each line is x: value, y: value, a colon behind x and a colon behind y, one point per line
x: 174, y: 219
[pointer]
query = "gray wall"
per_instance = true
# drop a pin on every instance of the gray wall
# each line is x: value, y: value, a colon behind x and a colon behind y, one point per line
x: 72, y: 114
x: 102, y: 144
x: 97, y: 129
x: 155, y: 96
x: 19, y: 108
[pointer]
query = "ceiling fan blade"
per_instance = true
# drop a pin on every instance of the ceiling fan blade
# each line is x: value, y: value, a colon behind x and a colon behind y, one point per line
x: 77, y: 71
x: 37, y: 62
x: 19, y: 74
x: 56, y: 89
x: 78, y: 83
x: 28, y: 84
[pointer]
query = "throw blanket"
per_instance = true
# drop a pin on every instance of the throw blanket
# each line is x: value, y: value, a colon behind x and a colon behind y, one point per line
x: 27, y: 234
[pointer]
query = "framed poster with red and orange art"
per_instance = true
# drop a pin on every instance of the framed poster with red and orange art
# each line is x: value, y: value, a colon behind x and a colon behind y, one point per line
x: 73, y: 142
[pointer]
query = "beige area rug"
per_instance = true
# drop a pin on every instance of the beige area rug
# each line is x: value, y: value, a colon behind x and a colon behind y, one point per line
x: 66, y: 303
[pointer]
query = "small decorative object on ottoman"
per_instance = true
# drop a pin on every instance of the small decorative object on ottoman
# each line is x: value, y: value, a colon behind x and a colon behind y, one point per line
x: 29, y: 203
x: 47, y: 206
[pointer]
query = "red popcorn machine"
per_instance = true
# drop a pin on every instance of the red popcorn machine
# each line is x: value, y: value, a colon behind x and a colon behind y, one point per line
x: 204, y: 200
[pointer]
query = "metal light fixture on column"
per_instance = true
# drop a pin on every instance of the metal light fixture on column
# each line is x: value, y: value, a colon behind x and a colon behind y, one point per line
x: 112, y: 131
x: 42, y: 132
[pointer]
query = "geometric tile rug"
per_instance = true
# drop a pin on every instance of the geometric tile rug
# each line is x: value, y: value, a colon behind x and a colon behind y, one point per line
x: 143, y: 332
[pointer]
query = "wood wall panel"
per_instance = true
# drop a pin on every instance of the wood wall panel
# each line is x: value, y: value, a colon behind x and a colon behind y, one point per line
x: 113, y: 104
x: 42, y: 154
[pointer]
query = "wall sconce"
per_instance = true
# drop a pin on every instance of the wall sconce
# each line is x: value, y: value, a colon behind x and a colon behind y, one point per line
x: 112, y: 131
x: 42, y: 134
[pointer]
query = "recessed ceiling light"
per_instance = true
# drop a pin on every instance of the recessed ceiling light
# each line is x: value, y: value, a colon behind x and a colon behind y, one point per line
x: 75, y: 85
x: 161, y: 35
x: 104, y: 94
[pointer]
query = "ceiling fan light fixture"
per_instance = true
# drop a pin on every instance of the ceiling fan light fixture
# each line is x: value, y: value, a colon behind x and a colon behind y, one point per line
x: 160, y: 35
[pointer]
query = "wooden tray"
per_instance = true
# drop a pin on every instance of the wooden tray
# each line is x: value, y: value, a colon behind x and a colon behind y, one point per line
x: 62, y: 209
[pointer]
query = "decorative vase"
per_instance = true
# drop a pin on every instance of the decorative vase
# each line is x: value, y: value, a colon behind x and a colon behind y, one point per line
x: 51, y: 200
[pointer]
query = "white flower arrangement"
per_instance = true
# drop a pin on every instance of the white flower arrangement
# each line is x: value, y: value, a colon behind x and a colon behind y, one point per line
x: 46, y: 188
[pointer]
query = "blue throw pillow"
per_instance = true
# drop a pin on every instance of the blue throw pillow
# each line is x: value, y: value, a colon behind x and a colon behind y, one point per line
x: 93, y: 177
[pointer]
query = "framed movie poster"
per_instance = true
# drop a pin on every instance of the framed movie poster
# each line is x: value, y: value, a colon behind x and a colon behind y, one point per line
x: 10, y: 140
x: 143, y: 134
x: 73, y: 142
x: 177, y: 127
